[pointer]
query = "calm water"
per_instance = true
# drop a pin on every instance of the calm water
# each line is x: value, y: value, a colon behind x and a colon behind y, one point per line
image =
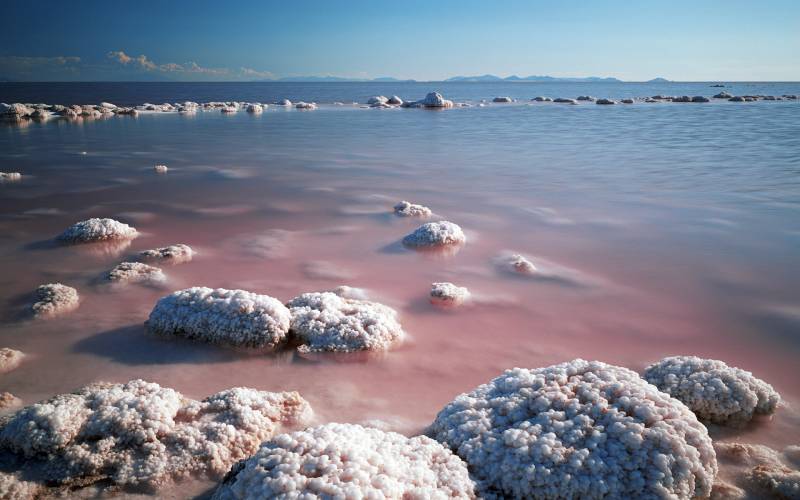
x: 680, y: 224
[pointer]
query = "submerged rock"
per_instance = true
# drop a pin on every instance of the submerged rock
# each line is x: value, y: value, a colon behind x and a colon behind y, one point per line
x: 173, y: 254
x: 306, y: 105
x: 766, y: 472
x: 10, y: 359
x: 448, y: 295
x: 135, y: 272
x: 605, y: 101
x: 407, y: 209
x: 434, y: 234
x: 516, y: 263
x: 97, y: 230
x: 53, y: 299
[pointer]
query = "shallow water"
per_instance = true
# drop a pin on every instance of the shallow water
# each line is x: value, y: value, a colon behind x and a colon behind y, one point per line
x: 674, y: 229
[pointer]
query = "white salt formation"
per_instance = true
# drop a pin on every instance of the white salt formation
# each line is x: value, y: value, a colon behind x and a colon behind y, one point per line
x: 12, y: 487
x: 350, y: 292
x: 8, y: 401
x: 161, y: 169
x: 435, y: 234
x: 173, y: 254
x: 432, y: 100
x: 448, y: 294
x: 407, y: 209
x: 763, y: 472
x: 255, y: 109
x: 714, y: 391
x: 55, y: 298
x: 135, y: 272
x: 327, y: 322
x: 581, y: 429
x: 348, y: 461
x: 503, y: 99
x: 305, y: 105
x: 10, y: 176
x: 97, y: 230
x: 517, y: 263
x: 235, y: 318
x: 139, y: 433
x: 10, y: 359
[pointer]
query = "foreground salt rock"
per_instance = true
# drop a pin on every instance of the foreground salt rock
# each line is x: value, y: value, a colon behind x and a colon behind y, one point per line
x: 173, y: 254
x: 432, y: 100
x: 10, y: 359
x: 10, y: 176
x: 348, y: 461
x: 446, y: 294
x: 96, y: 229
x: 581, y: 429
x: 408, y: 209
x: 760, y: 472
x: 53, y: 299
x: 714, y: 391
x: 234, y: 318
x: 327, y: 322
x: 135, y: 272
x: 142, y: 434
x: 435, y: 234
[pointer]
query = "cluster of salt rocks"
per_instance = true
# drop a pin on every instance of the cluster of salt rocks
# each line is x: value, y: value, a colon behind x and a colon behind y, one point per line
x: 53, y: 299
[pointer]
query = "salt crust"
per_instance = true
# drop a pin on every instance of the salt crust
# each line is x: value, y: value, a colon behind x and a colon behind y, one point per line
x: 53, y: 299
x: 173, y: 254
x: 135, y: 272
x: 10, y: 359
x: 348, y: 461
x: 581, y: 429
x: 714, y: 391
x: 407, y: 209
x: 766, y: 472
x: 97, y: 230
x: 434, y: 234
x: 448, y: 295
x: 235, y: 318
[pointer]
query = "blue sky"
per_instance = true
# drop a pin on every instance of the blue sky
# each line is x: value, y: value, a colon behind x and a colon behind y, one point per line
x: 424, y: 40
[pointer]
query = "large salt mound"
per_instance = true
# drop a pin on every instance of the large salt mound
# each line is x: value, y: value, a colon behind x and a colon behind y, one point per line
x: 448, y: 295
x: 139, y: 433
x: 173, y: 254
x: 406, y: 209
x: 97, y: 230
x: 579, y: 429
x: 10, y: 359
x: 55, y: 298
x: 713, y: 390
x: 135, y: 272
x: 435, y: 234
x: 234, y: 318
x: 326, y: 321
x: 348, y: 461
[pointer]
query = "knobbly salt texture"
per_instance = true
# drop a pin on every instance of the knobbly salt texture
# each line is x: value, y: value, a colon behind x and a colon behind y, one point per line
x: 325, y: 321
x: 53, y: 299
x: 135, y: 272
x: 350, y: 292
x: 713, y: 390
x: 435, y: 234
x: 234, y: 318
x: 448, y: 294
x: 97, y: 230
x: 10, y: 176
x: 581, y: 429
x: 406, y: 209
x: 14, y: 488
x: 139, y: 433
x: 8, y: 401
x: 10, y: 359
x: 173, y: 254
x: 348, y: 461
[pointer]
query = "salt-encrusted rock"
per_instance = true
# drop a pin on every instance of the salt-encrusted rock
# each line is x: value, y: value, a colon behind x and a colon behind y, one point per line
x: 627, y: 101
x: 395, y: 101
x: 766, y: 472
x: 727, y: 491
x: 8, y: 401
x: 564, y: 100
x: 284, y: 102
x: 161, y: 169
x: 777, y: 480
x: 586, y: 98
x: 699, y: 98
x: 683, y: 98
x: 40, y: 114
x: 503, y: 99
x: 581, y: 429
x: 229, y: 109
x: 378, y: 99
x: 448, y: 295
x: 327, y: 322
x: 605, y: 101
x: 53, y: 299
x: 516, y: 263
x: 435, y: 234
x: 348, y: 461
x: 350, y: 292
x: 97, y: 230
x: 12, y: 487
x: 235, y: 318
x: 10, y: 359
x: 407, y: 209
x: 255, y: 108
x: 173, y: 254
x: 715, y: 391
x: 736, y: 98
x: 542, y: 99
x: 10, y: 176
x: 15, y: 110
x: 723, y: 95
x: 135, y: 272
x: 305, y: 105
x: 432, y: 100
x: 107, y: 105
x: 139, y: 433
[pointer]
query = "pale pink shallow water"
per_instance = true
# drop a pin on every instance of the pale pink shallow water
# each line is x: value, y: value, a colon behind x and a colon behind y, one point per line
x: 703, y: 268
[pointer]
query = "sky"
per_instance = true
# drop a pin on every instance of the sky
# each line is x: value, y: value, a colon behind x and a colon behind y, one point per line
x: 188, y: 40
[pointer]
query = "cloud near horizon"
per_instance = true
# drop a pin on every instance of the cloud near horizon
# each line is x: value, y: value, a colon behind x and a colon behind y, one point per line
x: 142, y: 62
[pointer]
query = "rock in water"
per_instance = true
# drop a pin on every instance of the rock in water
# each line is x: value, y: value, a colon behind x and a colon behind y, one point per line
x: 53, y: 299
x: 407, y: 209
x: 135, y: 272
x: 96, y: 229
x: 173, y: 254
x: 448, y: 295
x: 435, y: 234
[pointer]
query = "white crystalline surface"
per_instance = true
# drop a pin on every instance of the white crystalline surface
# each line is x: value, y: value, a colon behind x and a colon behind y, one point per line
x: 448, y: 294
x: 713, y: 390
x: 348, y: 461
x: 235, y: 318
x: 139, y: 433
x: 135, y: 272
x: 581, y: 429
x: 325, y: 321
x: 407, y: 209
x: 173, y: 254
x: 434, y: 234
x: 10, y: 359
x: 14, y: 488
x: 55, y: 298
x: 97, y: 230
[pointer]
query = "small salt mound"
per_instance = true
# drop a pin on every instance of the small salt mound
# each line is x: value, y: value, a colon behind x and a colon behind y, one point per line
x: 434, y: 234
x: 284, y: 102
x: 234, y: 318
x: 516, y: 263
x: 395, y: 101
x: 406, y: 209
x: 173, y: 254
x: 326, y: 322
x: 605, y: 101
x: 448, y: 294
x: 305, y: 105
x: 378, y: 99
x: 139, y: 433
x: 10, y: 359
x: 55, y: 298
x: 713, y: 390
x: 161, y: 169
x: 10, y: 176
x: 348, y: 461
x: 581, y: 429
x: 503, y: 99
x: 97, y: 230
x: 135, y: 272
x: 255, y: 108
x: 432, y: 100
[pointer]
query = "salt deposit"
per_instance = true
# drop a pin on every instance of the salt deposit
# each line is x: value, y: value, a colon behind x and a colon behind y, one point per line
x: 306, y: 105
x: 516, y: 263
x: 435, y: 234
x: 135, y: 272
x: 161, y: 169
x: 53, y: 299
x: 762, y: 471
x: 395, y: 101
x: 235, y: 318
x: 348, y: 461
x: 715, y: 391
x: 8, y: 402
x: 97, y: 230
x: 327, y: 322
x: 542, y: 99
x: 564, y: 100
x: 255, y: 108
x: 378, y: 99
x: 503, y: 99
x: 432, y: 100
x: 350, y: 292
x: 284, y: 102
x: 407, y: 209
x: 579, y: 429
x: 10, y: 176
x: 605, y: 101
x: 10, y: 359
x: 139, y: 433
x: 448, y: 295
x: 12, y: 487
x: 173, y: 254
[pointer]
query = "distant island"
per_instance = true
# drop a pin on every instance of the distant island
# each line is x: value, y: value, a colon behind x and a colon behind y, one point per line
x: 533, y: 78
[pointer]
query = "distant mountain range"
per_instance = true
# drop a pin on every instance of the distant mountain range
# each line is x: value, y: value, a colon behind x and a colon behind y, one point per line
x: 533, y: 78
x: 312, y: 79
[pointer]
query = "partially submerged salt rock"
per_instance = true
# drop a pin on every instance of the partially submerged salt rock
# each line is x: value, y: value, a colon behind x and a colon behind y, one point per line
x: 350, y: 292
x: 284, y: 102
x: 13, y: 487
x: 516, y: 263
x: 306, y: 105
x: 542, y: 99
x: 10, y: 176
x: 161, y: 169
x: 627, y: 100
x: 327, y: 322
x: 713, y: 390
x: 503, y: 99
x: 395, y: 101
x: 765, y: 473
x: 97, y: 230
x: 135, y: 272
x: 8, y: 402
x: 53, y: 299
x: 378, y: 99
x: 699, y: 98
x: 407, y: 209
x: 435, y: 234
x: 255, y: 109
x: 173, y: 254
x: 605, y: 101
x: 139, y: 433
x: 581, y: 429
x: 564, y: 100
x: 586, y: 98
x: 448, y: 295
x: 432, y: 100
x: 10, y: 359
x: 234, y: 318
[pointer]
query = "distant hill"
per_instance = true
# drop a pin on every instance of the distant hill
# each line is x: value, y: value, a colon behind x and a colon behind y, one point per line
x: 658, y: 80
x: 533, y: 78
x: 311, y: 79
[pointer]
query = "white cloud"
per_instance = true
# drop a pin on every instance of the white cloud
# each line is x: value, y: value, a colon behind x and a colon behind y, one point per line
x: 190, y: 68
